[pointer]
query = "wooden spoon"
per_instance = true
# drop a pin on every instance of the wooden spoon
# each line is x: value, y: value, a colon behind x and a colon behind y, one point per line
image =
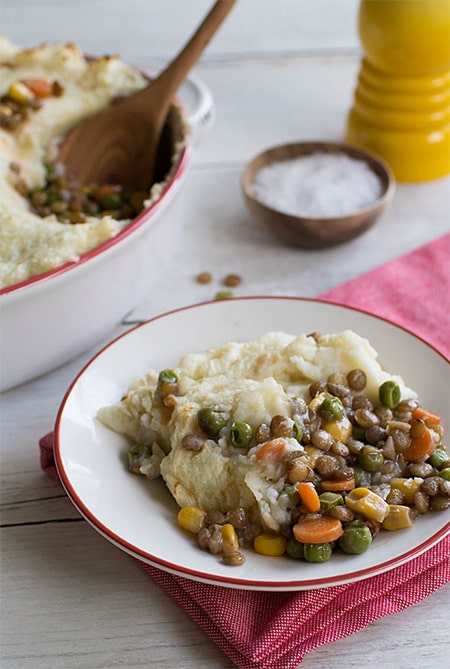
x: 119, y: 144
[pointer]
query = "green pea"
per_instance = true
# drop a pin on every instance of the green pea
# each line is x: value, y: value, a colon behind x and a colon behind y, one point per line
x: 439, y: 458
x: 223, y: 295
x: 291, y: 491
x: 297, y: 432
x: 332, y: 405
x: 356, y: 522
x: 111, y: 201
x: 362, y: 477
x: 167, y: 376
x: 52, y: 195
x: 48, y: 171
x: 355, y: 540
x: 328, y: 500
x: 53, y: 171
x: 136, y: 455
x: 92, y: 208
x: 445, y: 473
x: 358, y: 432
x: 317, y: 552
x: 137, y: 200
x: 294, y: 548
x: 389, y: 394
x: 241, y: 434
x: 370, y: 458
x: 211, y: 420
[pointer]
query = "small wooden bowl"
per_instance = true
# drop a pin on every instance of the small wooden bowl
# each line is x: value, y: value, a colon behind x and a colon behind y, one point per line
x: 316, y: 233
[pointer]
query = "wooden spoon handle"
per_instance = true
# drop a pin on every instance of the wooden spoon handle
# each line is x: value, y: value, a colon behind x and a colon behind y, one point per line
x: 170, y: 79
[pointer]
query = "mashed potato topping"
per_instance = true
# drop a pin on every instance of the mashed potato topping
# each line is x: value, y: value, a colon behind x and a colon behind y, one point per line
x: 31, y: 245
x: 260, y: 383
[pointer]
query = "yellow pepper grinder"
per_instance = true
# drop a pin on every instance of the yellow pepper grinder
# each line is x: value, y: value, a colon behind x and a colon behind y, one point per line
x: 401, y: 107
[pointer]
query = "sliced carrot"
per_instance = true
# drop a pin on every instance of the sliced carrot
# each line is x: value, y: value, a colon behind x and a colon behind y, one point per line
x: 335, y: 486
x: 308, y: 495
x: 42, y: 88
x: 106, y: 189
x: 272, y: 450
x: 318, y: 530
x: 421, y: 447
x: 427, y: 416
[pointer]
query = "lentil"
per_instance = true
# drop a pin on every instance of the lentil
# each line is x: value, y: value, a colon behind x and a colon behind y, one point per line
x: 337, y: 378
x: 215, y: 540
x: 356, y: 379
x: 237, y: 518
x: 192, y: 442
x: 389, y: 449
x: 298, y: 471
x: 203, y: 538
x: 341, y: 449
x: 281, y: 426
x: 317, y: 387
x: 232, y: 280
x: 421, y: 502
x: 439, y: 503
x: 384, y: 414
x: 338, y: 389
x: 361, y: 402
x: 322, y: 439
x: 326, y: 465
x: 262, y: 433
x: 204, y: 277
x: 342, y: 513
x: 374, y: 434
x: 400, y: 438
x: 423, y: 469
x: 365, y: 417
x: 65, y: 197
x: 395, y: 496
x: 234, y: 558
x: 430, y: 486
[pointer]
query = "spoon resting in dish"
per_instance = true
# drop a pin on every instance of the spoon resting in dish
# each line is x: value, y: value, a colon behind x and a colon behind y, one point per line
x: 120, y: 144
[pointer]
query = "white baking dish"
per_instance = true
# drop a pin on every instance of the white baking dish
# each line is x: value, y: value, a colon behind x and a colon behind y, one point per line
x: 50, y: 319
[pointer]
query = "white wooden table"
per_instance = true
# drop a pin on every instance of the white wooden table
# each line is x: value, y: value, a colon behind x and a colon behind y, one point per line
x: 278, y: 72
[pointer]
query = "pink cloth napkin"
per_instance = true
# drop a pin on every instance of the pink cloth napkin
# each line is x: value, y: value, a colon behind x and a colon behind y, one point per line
x: 263, y: 630
x: 412, y: 291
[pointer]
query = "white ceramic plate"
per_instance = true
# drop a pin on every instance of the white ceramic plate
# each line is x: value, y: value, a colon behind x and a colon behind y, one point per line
x: 139, y: 516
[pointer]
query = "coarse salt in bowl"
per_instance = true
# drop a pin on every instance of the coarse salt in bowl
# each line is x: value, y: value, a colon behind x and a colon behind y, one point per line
x: 317, y: 194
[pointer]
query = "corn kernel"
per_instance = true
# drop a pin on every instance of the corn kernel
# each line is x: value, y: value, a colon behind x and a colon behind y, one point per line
x: 312, y: 454
x: 340, y: 430
x: 191, y: 518
x: 270, y: 544
x: 20, y: 92
x: 367, y: 503
x: 317, y: 401
x: 408, y: 487
x: 230, y: 538
x: 5, y: 111
x: 398, y: 517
